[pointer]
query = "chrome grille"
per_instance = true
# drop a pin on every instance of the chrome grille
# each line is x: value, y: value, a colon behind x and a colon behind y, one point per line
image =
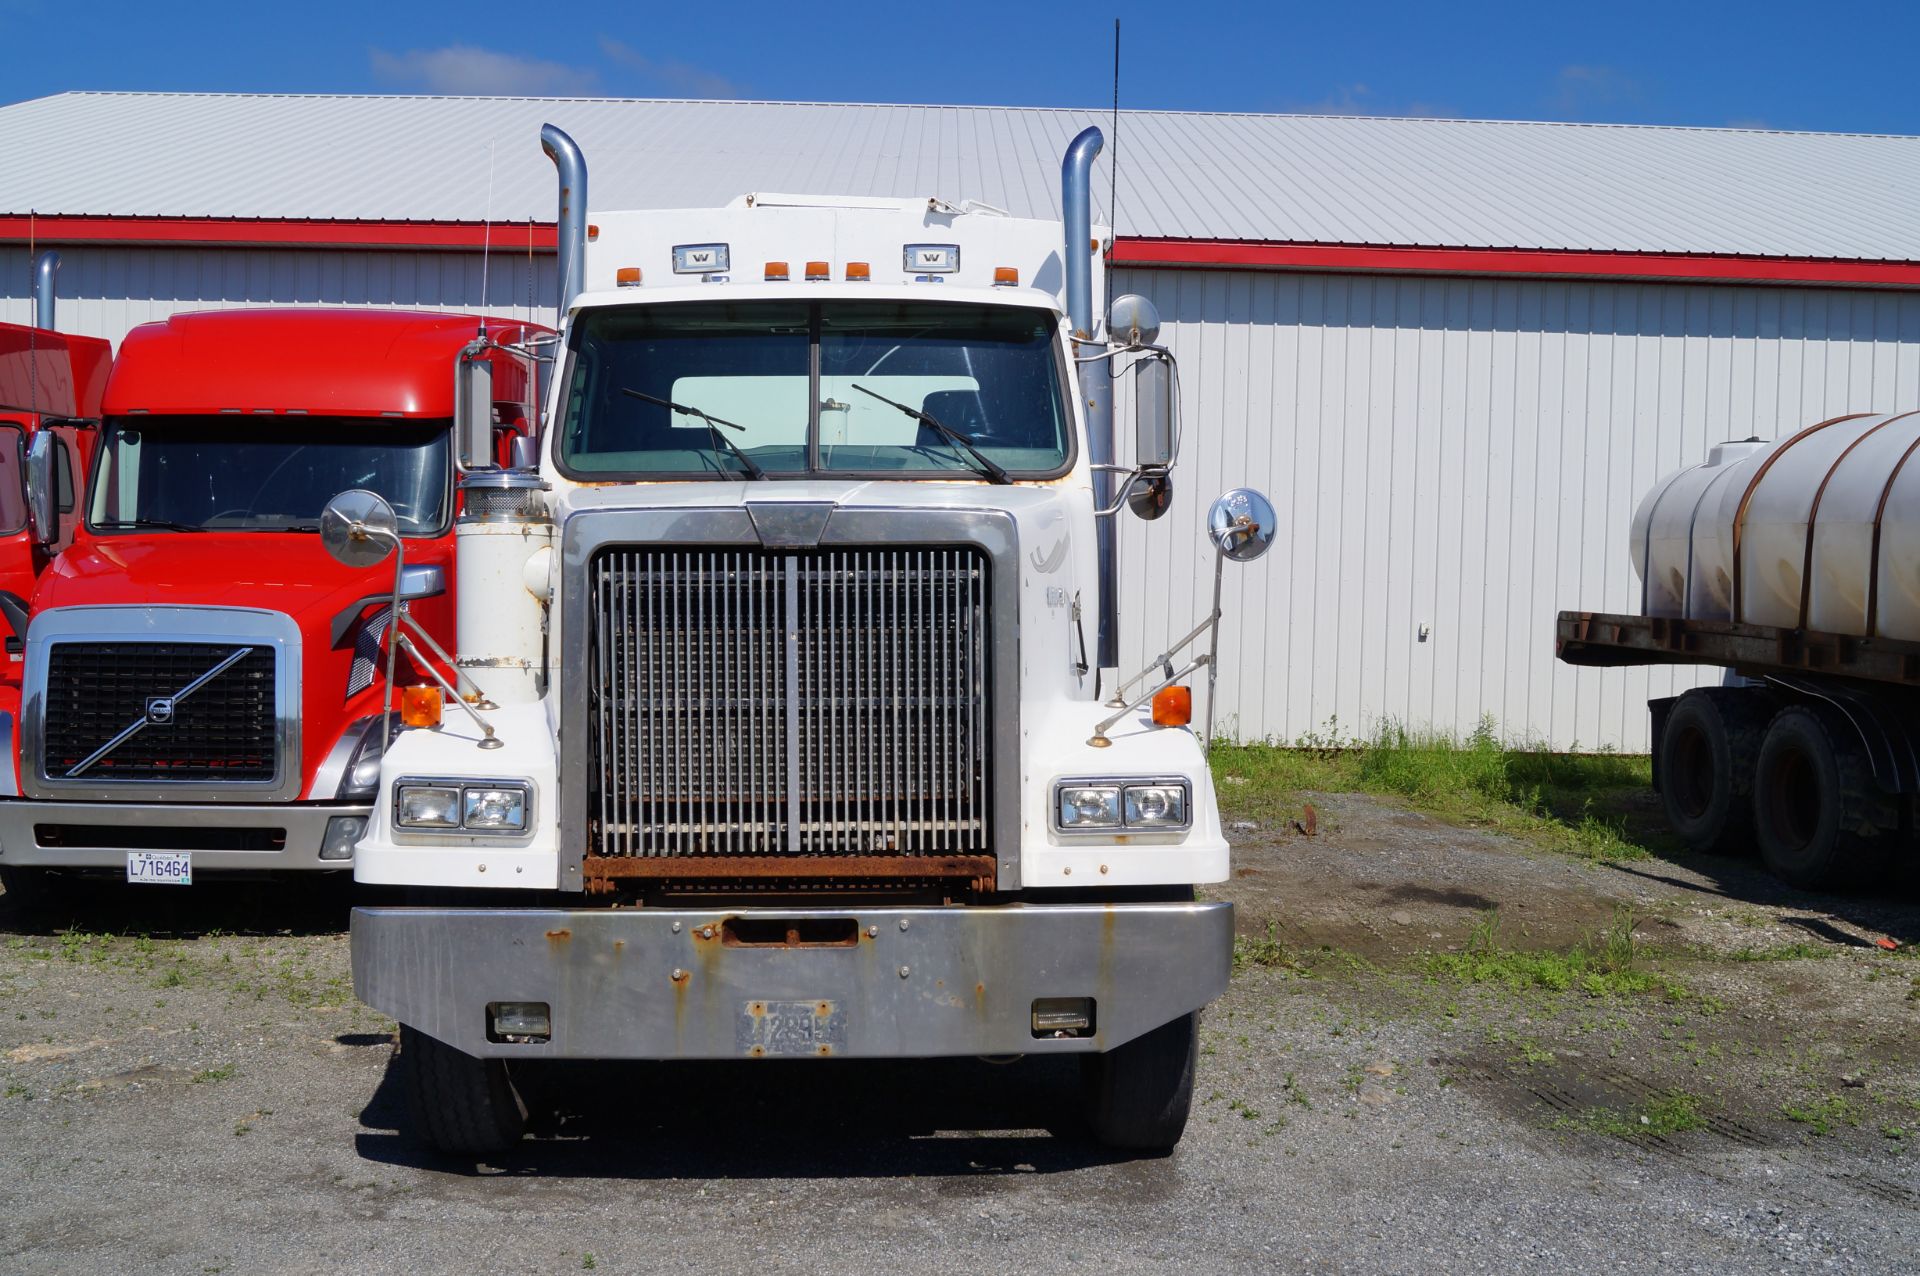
x: 225, y: 731
x: 747, y: 702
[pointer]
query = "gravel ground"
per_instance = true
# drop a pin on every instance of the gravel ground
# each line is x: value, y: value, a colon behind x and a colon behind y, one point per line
x: 212, y: 1099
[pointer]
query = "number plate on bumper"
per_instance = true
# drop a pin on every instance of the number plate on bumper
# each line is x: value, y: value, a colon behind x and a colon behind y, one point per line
x: 790, y: 1028
x: 160, y: 868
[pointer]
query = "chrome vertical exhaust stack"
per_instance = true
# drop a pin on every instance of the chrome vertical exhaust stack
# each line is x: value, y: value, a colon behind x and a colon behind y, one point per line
x: 571, y: 165
x: 1096, y: 375
x: 43, y: 292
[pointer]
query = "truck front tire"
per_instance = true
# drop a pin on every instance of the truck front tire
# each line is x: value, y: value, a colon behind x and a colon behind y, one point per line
x: 1708, y: 754
x: 460, y: 1105
x: 1820, y: 819
x: 1138, y: 1095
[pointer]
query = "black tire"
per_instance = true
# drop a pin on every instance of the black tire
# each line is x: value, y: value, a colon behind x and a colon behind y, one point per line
x: 1138, y: 1095
x: 1820, y: 819
x: 1708, y: 754
x: 460, y: 1104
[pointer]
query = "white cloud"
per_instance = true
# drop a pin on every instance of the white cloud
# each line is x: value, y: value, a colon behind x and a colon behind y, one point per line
x: 675, y: 78
x: 465, y: 69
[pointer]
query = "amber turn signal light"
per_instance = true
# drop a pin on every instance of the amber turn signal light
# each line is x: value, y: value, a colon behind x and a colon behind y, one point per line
x: 420, y: 706
x: 1172, y: 707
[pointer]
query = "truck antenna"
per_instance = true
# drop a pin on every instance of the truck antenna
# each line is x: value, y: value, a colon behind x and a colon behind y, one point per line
x: 1113, y: 162
x: 486, y: 242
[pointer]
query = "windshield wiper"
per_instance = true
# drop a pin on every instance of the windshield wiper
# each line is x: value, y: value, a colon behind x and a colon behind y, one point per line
x: 987, y: 465
x: 719, y: 440
x: 151, y: 523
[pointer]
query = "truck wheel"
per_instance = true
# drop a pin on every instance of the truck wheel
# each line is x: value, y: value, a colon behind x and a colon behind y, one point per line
x: 1708, y: 753
x: 1138, y: 1095
x: 460, y: 1104
x: 1819, y: 817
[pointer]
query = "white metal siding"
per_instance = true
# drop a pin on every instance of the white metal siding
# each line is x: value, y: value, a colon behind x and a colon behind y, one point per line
x: 1465, y: 454
x: 105, y: 292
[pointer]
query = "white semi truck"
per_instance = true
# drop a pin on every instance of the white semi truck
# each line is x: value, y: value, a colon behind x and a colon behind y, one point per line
x: 799, y: 730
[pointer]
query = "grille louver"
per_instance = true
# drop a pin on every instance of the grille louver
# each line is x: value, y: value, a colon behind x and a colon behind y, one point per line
x: 748, y: 702
x: 224, y: 731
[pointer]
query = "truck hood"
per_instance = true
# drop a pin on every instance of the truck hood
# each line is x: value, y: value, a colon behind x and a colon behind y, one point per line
x: 288, y: 572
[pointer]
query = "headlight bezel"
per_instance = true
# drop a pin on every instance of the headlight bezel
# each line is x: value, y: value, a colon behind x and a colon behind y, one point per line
x: 462, y: 786
x: 1121, y: 786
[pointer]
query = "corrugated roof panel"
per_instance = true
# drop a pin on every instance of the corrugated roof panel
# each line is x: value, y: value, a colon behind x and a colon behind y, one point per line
x: 1286, y: 178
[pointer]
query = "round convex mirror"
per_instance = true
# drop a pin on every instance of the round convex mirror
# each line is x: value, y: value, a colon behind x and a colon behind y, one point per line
x: 1151, y: 496
x: 1134, y: 320
x: 358, y: 528
x: 1242, y: 524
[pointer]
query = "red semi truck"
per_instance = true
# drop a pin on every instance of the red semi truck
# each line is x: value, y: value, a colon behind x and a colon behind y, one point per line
x: 202, y: 684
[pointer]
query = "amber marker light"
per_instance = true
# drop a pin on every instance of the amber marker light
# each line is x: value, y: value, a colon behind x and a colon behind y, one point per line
x: 777, y: 271
x: 420, y: 706
x: 818, y: 272
x: 627, y: 277
x: 859, y: 272
x: 1006, y: 276
x: 593, y: 232
x: 1172, y: 707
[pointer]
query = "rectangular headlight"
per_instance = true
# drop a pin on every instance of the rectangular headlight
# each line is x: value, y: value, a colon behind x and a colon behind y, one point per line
x: 1089, y: 806
x: 497, y: 810
x: 1156, y: 806
x: 423, y: 806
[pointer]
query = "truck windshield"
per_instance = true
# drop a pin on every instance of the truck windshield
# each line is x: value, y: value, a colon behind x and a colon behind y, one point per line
x: 273, y: 474
x: 787, y: 372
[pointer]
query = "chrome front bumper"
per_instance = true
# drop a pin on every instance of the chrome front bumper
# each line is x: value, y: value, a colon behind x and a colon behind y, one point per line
x: 668, y: 984
x: 26, y: 839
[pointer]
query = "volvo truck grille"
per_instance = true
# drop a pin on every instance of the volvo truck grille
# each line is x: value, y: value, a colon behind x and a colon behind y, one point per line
x: 96, y: 692
x: 749, y: 702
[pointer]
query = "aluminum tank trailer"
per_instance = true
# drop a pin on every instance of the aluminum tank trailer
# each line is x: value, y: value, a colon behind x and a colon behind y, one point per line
x: 1795, y: 566
x: 804, y: 734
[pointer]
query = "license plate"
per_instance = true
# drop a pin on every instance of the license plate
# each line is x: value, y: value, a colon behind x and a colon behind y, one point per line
x: 156, y: 868
x: 790, y: 1028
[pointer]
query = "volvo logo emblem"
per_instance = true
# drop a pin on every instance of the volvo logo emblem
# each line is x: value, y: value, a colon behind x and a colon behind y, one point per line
x: 160, y: 710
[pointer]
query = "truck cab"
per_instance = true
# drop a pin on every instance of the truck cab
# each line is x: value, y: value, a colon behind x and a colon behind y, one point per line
x: 818, y: 756
x: 201, y: 681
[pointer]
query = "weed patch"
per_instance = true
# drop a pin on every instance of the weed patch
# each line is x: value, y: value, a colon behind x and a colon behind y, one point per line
x: 1610, y: 967
x: 1672, y: 1113
x: 1822, y: 1113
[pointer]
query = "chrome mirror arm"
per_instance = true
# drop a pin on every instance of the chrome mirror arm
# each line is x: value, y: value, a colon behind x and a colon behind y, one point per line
x: 488, y: 740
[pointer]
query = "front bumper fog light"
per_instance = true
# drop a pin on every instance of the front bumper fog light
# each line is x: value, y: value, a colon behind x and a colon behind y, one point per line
x: 1156, y: 806
x: 498, y: 810
x: 519, y: 1022
x: 421, y: 806
x: 1090, y: 806
x: 343, y: 834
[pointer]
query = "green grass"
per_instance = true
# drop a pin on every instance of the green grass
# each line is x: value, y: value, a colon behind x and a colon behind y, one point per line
x: 1672, y: 1113
x: 1561, y: 800
x: 1821, y: 1113
x: 1608, y: 966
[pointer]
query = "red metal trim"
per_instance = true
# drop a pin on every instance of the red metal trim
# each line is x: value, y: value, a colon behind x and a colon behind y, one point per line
x: 1257, y: 255
x: 247, y: 232
x: 268, y: 232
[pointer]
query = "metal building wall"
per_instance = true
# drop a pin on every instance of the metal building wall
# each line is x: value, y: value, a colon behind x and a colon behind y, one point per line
x: 1463, y: 455
x: 106, y: 291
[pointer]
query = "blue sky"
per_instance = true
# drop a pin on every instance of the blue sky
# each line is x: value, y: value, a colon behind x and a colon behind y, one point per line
x: 1842, y: 66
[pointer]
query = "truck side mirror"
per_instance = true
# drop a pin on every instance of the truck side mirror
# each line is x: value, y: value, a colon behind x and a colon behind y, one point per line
x: 1153, y: 408
x: 473, y: 411
x: 43, y: 497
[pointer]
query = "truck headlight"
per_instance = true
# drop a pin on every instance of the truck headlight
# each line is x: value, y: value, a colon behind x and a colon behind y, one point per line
x: 421, y: 806
x: 500, y: 810
x: 1089, y: 806
x: 472, y: 806
x: 1144, y: 805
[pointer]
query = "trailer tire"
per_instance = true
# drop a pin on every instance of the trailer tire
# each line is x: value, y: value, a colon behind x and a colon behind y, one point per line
x: 1708, y: 755
x: 460, y: 1105
x: 1820, y: 819
x: 1138, y: 1094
